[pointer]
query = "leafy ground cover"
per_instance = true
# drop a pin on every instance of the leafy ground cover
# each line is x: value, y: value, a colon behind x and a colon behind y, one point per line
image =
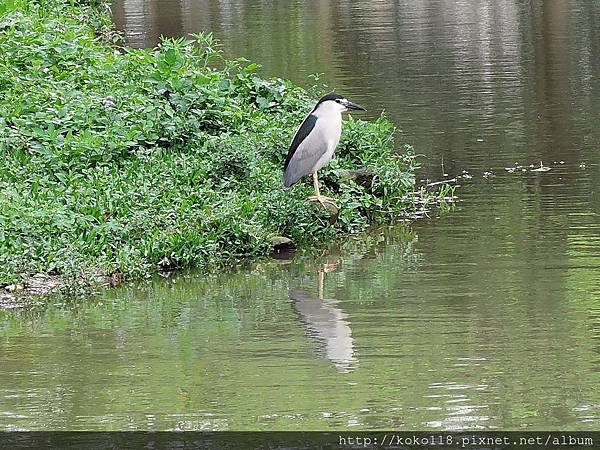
x: 119, y: 163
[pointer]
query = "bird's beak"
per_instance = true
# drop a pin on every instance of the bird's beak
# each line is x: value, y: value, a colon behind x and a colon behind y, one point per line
x: 351, y: 105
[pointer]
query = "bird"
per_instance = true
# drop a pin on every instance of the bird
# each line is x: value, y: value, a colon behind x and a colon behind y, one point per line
x: 315, y: 141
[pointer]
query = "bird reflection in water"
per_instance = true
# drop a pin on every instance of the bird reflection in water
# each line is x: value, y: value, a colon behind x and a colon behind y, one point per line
x: 326, y: 322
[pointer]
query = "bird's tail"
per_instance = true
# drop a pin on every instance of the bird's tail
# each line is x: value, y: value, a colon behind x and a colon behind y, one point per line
x: 289, y: 178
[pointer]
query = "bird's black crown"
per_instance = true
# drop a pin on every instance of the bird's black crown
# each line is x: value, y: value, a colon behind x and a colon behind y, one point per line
x: 331, y: 96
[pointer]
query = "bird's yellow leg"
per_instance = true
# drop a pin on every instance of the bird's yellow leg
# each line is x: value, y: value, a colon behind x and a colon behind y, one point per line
x: 318, y: 197
x: 316, y: 185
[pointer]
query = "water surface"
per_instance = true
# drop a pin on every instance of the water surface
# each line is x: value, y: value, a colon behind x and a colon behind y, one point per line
x: 484, y: 317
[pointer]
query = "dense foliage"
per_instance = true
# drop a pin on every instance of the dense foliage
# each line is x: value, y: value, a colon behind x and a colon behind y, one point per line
x: 114, y: 160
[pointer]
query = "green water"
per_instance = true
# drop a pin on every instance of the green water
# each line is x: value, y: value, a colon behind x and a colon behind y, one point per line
x: 483, y: 317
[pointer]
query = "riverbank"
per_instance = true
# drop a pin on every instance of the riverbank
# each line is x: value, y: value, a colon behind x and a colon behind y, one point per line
x: 119, y: 163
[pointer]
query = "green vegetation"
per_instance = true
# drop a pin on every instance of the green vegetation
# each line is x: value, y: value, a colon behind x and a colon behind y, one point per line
x: 121, y: 161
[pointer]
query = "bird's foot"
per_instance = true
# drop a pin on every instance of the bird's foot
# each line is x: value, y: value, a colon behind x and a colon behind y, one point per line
x: 327, y: 202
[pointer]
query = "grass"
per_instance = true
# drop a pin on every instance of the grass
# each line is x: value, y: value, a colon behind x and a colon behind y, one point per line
x: 115, y: 161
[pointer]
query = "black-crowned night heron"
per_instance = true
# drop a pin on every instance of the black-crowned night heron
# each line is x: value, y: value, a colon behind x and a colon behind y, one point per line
x: 315, y: 141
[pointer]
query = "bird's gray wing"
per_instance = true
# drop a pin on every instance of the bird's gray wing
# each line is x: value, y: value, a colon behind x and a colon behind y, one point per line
x: 308, y: 145
x: 306, y: 127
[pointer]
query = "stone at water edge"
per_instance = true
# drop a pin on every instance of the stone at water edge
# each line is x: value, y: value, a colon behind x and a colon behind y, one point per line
x: 362, y: 177
x: 281, y: 243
